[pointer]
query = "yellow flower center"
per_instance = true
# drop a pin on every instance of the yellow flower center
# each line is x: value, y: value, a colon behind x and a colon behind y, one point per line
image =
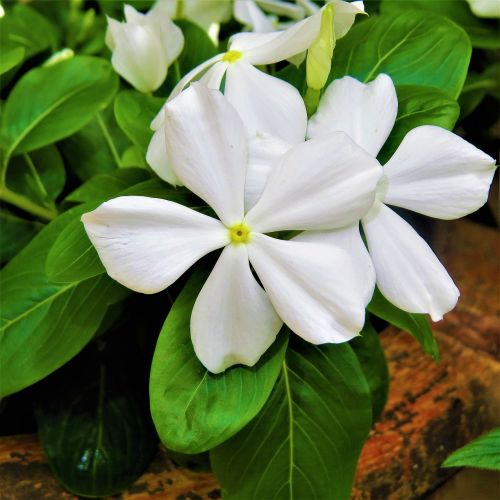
x: 232, y: 56
x: 240, y: 233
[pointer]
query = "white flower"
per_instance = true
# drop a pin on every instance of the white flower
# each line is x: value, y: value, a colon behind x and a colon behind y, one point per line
x: 144, y: 46
x: 485, y: 8
x: 266, y: 104
x: 434, y: 172
x: 204, y: 13
x: 317, y: 283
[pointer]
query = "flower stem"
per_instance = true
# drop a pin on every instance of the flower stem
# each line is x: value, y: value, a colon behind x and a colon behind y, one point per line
x: 24, y: 203
x: 109, y: 140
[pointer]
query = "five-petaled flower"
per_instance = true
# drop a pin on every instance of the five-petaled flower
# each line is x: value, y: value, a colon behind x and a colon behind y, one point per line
x: 318, y: 283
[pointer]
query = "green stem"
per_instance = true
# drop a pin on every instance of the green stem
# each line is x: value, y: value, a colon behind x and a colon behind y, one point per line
x: 24, y: 203
x: 109, y: 140
x: 177, y: 70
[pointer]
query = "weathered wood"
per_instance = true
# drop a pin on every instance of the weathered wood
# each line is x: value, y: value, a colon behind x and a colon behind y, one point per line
x: 433, y: 408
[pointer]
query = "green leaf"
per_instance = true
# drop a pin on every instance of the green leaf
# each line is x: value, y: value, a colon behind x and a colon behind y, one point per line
x: 73, y: 257
x: 103, y: 187
x: 306, y: 441
x: 97, y: 148
x: 74, y: 90
x: 419, y: 106
x: 44, y: 324
x: 193, y: 409
x: 93, y: 420
x: 15, y: 234
x: 413, y: 48
x: 371, y: 357
x: 416, y: 325
x: 477, y: 86
x: 39, y: 175
x: 482, y: 453
x: 134, y: 113
x: 483, y: 34
x: 12, y: 56
x: 26, y: 27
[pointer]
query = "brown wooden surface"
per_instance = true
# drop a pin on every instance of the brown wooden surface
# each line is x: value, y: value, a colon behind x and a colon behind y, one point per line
x: 433, y: 408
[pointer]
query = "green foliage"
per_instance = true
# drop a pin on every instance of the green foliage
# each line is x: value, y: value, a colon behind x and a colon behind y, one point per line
x: 134, y: 113
x: 193, y: 409
x: 15, y: 234
x: 27, y: 28
x: 371, y: 357
x: 97, y: 148
x: 413, y: 48
x: 419, y: 106
x: 12, y: 56
x: 416, y: 325
x: 483, y: 34
x: 97, y: 433
x: 482, y: 453
x: 306, y: 440
x: 45, y: 324
x: 477, y: 86
x: 74, y: 91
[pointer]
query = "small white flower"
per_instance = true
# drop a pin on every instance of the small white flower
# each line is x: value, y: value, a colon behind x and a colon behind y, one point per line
x: 485, y: 8
x: 266, y: 104
x: 434, y: 172
x: 144, y: 46
x: 318, y: 283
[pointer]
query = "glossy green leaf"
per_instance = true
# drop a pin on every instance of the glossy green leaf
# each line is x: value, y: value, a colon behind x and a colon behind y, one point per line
x: 24, y: 26
x: 97, y: 148
x: 306, y: 441
x: 15, y: 234
x: 482, y: 453
x: 72, y: 256
x: 371, y: 357
x: 39, y: 175
x: 413, y: 48
x: 74, y: 90
x: 483, y: 33
x: 416, y: 325
x: 44, y: 324
x: 93, y: 420
x: 419, y: 106
x: 103, y: 187
x: 12, y: 55
x: 134, y: 113
x: 193, y: 409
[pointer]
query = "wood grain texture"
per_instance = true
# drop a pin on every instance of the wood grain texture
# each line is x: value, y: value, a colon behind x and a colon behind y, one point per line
x: 433, y: 408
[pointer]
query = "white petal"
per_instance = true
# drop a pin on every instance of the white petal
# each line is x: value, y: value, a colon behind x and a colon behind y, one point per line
x: 344, y: 14
x: 282, y: 8
x: 138, y: 57
x: 436, y: 173
x: 485, y: 8
x: 264, y: 151
x: 269, y: 48
x: 157, y: 158
x: 147, y: 243
x: 193, y: 75
x: 349, y: 239
x: 133, y: 16
x: 233, y: 321
x: 365, y: 112
x: 169, y: 34
x: 213, y: 77
x: 408, y: 272
x: 311, y: 286
x: 248, y: 14
x: 159, y: 119
x: 265, y: 103
x: 322, y: 184
x: 204, y: 13
x: 207, y: 146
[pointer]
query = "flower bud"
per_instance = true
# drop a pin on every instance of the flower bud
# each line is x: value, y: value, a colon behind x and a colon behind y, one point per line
x: 144, y: 46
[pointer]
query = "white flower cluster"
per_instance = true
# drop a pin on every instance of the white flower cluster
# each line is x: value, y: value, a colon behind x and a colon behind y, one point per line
x: 251, y: 154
